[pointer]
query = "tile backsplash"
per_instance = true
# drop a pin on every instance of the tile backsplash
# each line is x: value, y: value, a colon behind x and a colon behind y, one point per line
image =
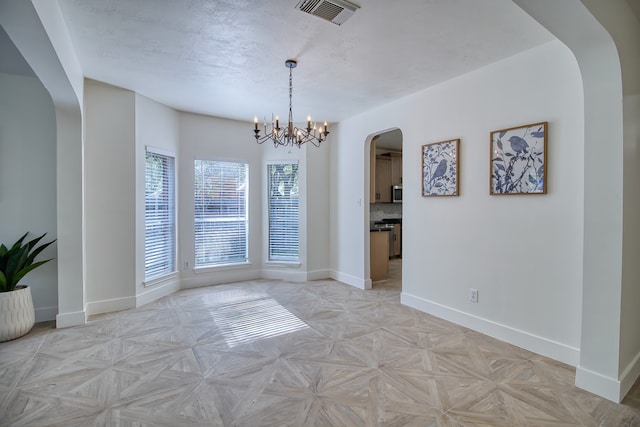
x: 380, y: 211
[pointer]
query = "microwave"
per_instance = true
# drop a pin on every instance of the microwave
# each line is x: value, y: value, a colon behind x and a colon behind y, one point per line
x: 396, y: 193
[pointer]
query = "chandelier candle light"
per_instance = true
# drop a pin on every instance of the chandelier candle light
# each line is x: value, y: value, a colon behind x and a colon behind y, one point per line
x: 291, y: 135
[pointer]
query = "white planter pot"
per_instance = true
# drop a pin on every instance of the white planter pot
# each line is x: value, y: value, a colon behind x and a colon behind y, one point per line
x: 16, y: 313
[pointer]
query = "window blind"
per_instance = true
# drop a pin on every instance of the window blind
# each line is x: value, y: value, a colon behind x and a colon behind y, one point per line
x: 220, y: 209
x: 159, y: 216
x: 284, y: 198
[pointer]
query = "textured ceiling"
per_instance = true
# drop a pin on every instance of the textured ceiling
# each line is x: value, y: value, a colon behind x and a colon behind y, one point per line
x: 226, y: 57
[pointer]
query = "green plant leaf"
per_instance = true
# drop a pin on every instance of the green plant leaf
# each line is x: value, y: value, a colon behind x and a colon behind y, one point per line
x: 3, y: 257
x: 18, y: 244
x: 15, y: 263
x: 20, y: 274
x: 35, y: 241
x: 19, y: 260
x: 37, y: 250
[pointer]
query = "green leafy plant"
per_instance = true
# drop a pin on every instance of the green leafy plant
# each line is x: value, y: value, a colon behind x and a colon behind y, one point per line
x: 19, y: 260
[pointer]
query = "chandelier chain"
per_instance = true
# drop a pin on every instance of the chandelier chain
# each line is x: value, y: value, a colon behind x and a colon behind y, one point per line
x: 290, y: 98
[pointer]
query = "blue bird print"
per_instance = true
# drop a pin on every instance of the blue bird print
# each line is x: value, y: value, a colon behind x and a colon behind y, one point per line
x: 518, y: 144
x: 441, y: 169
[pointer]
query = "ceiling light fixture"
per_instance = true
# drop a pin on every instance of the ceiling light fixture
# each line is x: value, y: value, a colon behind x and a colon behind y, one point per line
x: 290, y: 135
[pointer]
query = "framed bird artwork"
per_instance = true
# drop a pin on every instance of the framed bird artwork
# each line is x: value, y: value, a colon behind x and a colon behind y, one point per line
x: 440, y: 164
x: 519, y: 160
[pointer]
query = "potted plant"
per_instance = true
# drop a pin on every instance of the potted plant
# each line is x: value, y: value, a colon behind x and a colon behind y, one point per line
x: 17, y: 315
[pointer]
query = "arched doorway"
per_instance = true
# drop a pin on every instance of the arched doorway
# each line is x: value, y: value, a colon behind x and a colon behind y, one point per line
x: 384, y: 185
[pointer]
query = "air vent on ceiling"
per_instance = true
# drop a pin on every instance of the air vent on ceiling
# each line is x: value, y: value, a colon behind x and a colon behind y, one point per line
x: 336, y: 11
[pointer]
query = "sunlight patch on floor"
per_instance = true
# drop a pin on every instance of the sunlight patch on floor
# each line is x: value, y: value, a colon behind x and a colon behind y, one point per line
x: 246, y: 317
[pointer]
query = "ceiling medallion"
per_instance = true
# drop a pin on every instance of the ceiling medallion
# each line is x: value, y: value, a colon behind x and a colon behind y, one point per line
x: 290, y: 135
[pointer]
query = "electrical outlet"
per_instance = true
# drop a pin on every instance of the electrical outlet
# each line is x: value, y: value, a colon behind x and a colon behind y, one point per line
x: 186, y: 264
x: 473, y: 295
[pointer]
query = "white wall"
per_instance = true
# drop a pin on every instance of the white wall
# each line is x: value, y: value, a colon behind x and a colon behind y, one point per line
x: 523, y: 253
x: 318, y: 201
x: 28, y: 180
x: 69, y: 85
x: 623, y: 25
x: 58, y: 68
x: 157, y: 126
x: 348, y: 199
x: 109, y: 197
x: 120, y: 124
x: 211, y: 138
x: 605, y: 38
x: 630, y: 319
x: 51, y: 56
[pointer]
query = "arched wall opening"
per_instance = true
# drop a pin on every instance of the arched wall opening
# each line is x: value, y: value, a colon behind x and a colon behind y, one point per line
x: 603, y: 38
x: 37, y: 29
x: 390, y: 139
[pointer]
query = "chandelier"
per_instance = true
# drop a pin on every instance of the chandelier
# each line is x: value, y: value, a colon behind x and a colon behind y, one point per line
x: 291, y: 135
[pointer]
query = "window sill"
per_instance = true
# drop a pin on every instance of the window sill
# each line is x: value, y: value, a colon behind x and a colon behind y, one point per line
x: 221, y: 267
x: 161, y: 279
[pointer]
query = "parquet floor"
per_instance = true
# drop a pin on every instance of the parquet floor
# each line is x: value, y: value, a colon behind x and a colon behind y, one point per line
x: 269, y: 353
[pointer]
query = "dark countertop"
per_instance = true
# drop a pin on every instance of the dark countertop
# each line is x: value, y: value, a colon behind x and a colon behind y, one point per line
x: 380, y: 226
x: 391, y: 221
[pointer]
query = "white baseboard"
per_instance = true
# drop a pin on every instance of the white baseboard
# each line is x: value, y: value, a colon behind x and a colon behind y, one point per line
x: 156, y: 292
x: 294, y: 275
x: 44, y: 314
x: 219, y: 277
x: 284, y: 274
x: 349, y: 279
x: 596, y: 383
x: 539, y: 345
x: 111, y: 305
x: 67, y: 320
x: 629, y: 376
x: 318, y: 274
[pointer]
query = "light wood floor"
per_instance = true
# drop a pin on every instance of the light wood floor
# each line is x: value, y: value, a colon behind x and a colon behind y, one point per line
x: 270, y: 353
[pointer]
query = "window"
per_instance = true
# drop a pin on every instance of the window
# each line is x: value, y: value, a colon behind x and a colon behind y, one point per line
x: 221, y: 223
x: 284, y: 194
x: 159, y: 215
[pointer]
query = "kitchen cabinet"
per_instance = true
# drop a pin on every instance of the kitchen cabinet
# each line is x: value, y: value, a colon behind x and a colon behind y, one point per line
x: 383, y: 179
x: 396, y: 168
x: 379, y: 254
x: 386, y: 171
x: 397, y: 240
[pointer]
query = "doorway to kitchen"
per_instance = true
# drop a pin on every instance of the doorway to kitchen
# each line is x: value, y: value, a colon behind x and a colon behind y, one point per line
x: 383, y: 245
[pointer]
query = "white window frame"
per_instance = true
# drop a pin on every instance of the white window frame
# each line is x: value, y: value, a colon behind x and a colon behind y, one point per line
x: 200, y: 266
x: 271, y: 257
x: 153, y: 277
